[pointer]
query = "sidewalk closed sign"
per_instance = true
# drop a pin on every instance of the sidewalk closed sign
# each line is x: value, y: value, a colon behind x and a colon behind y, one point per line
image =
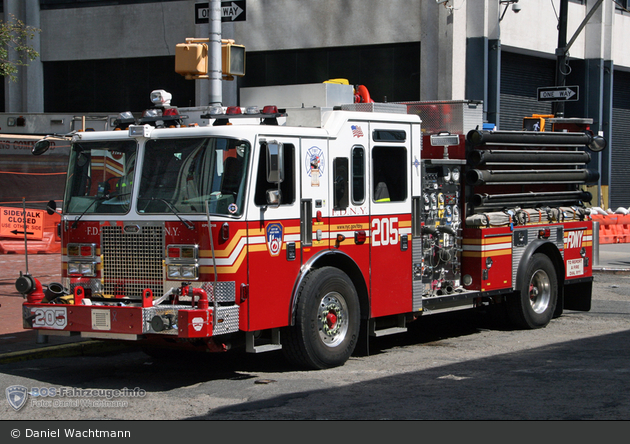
x: 12, y: 223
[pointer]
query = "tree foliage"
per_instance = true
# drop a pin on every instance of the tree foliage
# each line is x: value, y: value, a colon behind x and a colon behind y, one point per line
x: 16, y: 37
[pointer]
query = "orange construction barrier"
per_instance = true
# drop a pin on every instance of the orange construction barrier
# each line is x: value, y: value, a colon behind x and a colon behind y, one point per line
x: 623, y: 228
x: 42, y: 234
x: 607, y: 228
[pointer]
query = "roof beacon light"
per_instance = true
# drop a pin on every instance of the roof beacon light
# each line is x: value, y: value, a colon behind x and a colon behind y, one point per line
x: 216, y: 109
x: 125, y: 115
x: 234, y: 110
x: 252, y: 110
x: 151, y: 113
x: 270, y: 109
x: 159, y: 97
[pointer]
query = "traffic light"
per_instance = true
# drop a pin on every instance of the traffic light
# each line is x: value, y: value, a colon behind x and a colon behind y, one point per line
x: 232, y: 59
x: 536, y: 122
x: 191, y: 59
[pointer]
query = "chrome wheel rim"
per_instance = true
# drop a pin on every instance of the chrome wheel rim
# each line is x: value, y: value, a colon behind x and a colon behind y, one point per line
x: 539, y: 291
x: 332, y: 319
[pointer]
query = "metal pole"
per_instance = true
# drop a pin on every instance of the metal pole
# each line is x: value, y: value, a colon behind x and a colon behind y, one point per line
x: 561, y: 53
x: 595, y: 243
x: 215, y: 68
x: 25, y: 239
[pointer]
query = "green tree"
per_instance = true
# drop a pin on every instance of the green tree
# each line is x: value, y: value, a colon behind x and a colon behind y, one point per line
x: 16, y: 36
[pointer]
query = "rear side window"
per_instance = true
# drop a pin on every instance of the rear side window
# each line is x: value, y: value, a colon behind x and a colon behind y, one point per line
x: 389, y: 174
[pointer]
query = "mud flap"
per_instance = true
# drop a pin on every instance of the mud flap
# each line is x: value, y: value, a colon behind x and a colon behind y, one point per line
x: 363, y: 344
x: 578, y: 294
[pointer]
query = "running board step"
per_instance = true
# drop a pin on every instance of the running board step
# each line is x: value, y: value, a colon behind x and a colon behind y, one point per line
x: 389, y: 329
x: 450, y: 302
x: 264, y: 345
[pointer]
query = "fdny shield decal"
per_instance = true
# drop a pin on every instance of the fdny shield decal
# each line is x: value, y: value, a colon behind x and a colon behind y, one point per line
x: 17, y: 396
x: 274, y: 238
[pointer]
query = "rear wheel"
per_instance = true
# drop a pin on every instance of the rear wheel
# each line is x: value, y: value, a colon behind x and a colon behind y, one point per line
x: 327, y: 321
x: 534, y: 304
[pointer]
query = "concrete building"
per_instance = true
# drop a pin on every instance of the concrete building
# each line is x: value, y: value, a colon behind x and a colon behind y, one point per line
x: 100, y: 55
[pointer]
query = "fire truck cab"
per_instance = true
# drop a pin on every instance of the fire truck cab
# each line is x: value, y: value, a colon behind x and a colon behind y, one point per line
x: 308, y: 229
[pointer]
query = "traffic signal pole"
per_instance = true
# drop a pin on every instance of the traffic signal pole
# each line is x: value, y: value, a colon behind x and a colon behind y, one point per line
x: 214, y: 54
x: 562, y: 52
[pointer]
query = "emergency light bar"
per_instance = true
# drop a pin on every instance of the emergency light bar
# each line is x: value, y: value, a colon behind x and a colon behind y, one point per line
x: 268, y: 116
x: 217, y: 112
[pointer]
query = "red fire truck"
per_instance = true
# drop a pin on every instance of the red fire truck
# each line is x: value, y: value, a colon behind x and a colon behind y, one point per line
x: 312, y: 229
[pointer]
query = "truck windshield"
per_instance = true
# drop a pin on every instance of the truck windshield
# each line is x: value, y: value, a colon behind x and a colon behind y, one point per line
x: 100, y: 177
x: 187, y: 173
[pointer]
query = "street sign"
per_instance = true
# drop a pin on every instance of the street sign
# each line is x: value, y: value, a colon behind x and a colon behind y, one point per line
x: 558, y: 94
x: 12, y: 223
x: 231, y: 11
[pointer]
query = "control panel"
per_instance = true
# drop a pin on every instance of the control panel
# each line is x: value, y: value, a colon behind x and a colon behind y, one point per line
x: 440, y: 211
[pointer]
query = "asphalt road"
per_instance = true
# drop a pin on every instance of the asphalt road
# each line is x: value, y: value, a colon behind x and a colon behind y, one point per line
x: 457, y: 366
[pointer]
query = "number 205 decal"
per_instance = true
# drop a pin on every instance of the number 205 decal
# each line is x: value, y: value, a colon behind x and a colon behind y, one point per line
x: 50, y: 317
x: 385, y: 231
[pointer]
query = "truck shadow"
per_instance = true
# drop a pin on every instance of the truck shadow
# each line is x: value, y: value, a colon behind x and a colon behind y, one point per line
x: 585, y: 379
x: 166, y: 369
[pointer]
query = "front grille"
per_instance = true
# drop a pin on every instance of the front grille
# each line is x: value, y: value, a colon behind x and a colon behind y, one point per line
x: 132, y: 262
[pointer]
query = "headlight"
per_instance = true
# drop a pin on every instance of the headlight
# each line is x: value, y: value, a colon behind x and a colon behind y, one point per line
x: 182, y: 272
x: 188, y: 271
x: 74, y: 268
x: 82, y: 269
x: 87, y: 269
x: 182, y: 262
x: 174, y: 272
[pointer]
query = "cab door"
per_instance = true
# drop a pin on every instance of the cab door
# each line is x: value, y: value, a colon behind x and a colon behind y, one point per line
x: 316, y: 171
x: 273, y: 237
x: 390, y: 219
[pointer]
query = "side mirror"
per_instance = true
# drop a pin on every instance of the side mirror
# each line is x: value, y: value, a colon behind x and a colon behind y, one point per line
x: 51, y: 207
x: 41, y: 146
x: 597, y: 144
x: 275, y: 162
x: 273, y: 198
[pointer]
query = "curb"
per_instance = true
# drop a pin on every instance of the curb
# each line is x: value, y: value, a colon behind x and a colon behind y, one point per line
x: 612, y: 270
x: 65, y: 350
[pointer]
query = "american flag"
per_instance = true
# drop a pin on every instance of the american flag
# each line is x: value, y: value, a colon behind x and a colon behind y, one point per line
x: 356, y: 131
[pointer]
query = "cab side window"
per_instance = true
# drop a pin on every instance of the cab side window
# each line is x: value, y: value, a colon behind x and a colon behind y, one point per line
x: 358, y: 175
x: 287, y: 187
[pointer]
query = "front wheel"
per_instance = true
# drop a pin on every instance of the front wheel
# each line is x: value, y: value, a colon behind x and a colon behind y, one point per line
x: 533, y: 305
x: 327, y: 321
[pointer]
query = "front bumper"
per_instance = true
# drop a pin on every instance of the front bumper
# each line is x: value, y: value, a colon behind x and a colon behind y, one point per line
x: 131, y: 322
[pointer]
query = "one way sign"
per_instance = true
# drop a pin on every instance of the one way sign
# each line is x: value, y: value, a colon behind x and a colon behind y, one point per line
x: 231, y: 11
x: 558, y: 94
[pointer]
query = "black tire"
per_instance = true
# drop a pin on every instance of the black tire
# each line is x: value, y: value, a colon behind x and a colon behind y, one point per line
x: 326, y: 322
x: 533, y: 305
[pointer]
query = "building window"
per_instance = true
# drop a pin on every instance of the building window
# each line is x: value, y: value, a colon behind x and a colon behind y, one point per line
x: 622, y: 6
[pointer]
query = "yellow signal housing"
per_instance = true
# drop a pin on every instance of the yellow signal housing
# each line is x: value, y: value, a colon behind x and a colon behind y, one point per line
x: 536, y: 122
x: 232, y: 59
x: 191, y: 60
